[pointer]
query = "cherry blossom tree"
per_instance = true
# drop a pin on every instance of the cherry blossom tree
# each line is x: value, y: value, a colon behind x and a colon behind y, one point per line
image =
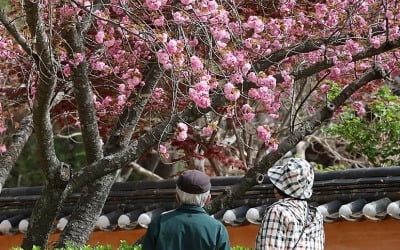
x: 232, y: 84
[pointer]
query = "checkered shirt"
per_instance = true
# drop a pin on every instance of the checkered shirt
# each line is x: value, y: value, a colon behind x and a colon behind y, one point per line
x: 282, y: 225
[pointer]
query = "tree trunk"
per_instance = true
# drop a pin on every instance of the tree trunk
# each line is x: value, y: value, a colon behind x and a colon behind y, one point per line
x: 47, y: 206
x: 87, y: 211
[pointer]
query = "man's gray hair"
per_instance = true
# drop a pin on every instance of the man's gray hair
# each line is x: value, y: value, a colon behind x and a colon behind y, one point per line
x: 192, y: 199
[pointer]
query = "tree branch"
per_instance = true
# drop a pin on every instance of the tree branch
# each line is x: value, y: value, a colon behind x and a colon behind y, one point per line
x: 12, y: 29
x: 83, y: 95
x: 142, y: 171
x: 14, y: 148
x: 306, y: 128
x: 57, y: 174
x: 125, y: 126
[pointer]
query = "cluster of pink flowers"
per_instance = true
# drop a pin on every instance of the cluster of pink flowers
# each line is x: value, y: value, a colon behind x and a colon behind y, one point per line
x: 133, y: 78
x: 231, y: 92
x: 255, y: 23
x: 200, y: 94
x: 262, y: 80
x: 247, y: 113
x: 196, y: 64
x: 163, y: 151
x: 3, y: 148
x: 180, y: 17
x: 173, y: 49
x: 155, y: 4
x: 265, y: 134
x: 359, y: 107
x: 182, y: 131
x: 208, y: 130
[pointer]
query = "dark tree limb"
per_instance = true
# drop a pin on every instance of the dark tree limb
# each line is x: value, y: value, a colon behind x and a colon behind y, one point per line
x: 14, y: 148
x: 306, y: 128
x: 90, y: 205
x: 83, y: 95
x: 56, y: 173
x: 326, y: 64
x: 13, y: 30
x: 139, y: 146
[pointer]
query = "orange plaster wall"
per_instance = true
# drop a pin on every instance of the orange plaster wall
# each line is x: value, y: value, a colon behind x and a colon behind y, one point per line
x: 362, y: 235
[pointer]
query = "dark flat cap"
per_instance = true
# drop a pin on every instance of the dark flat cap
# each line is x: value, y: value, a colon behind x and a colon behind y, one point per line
x: 194, y: 182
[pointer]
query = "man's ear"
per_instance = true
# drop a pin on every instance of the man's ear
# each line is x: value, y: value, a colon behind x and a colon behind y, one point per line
x: 208, y: 199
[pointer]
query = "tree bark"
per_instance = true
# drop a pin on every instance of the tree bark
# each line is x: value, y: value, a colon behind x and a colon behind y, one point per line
x: 90, y: 205
x: 56, y: 173
x: 14, y: 148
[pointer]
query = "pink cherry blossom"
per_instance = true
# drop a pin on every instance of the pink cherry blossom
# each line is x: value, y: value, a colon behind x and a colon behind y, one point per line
x: 324, y: 88
x: 187, y: 2
x: 245, y: 68
x: 273, y: 147
x: 67, y: 70
x: 162, y: 149
x: 67, y: 10
x: 3, y: 148
x: 255, y: 23
x: 248, y: 114
x: 230, y: 59
x: 121, y: 100
x: 153, y: 4
x: 252, y: 77
x: 320, y: 10
x: 335, y: 73
x: 78, y: 58
x: 182, y: 131
x: 196, y: 63
x: 181, y: 136
x: 100, y: 36
x: 179, y: 17
x: 375, y: 42
x: 159, y: 21
x: 164, y: 59
x: 359, y: 107
x: 172, y: 46
x: 220, y: 34
x: 231, y: 93
x: 254, y: 93
x: 194, y: 42
x: 352, y: 46
x: 268, y: 81
x: 264, y: 133
x: 200, y: 94
x: 207, y: 131
x: 99, y: 65
x: 106, y: 101
x: 236, y: 78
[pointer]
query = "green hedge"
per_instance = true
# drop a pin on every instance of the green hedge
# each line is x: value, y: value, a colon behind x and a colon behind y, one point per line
x: 124, y: 246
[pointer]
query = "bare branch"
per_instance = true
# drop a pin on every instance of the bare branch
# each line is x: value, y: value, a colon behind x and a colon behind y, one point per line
x: 142, y: 171
x: 125, y: 126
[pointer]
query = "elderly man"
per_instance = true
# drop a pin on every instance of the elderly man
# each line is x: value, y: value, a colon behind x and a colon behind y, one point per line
x: 290, y: 223
x: 188, y: 227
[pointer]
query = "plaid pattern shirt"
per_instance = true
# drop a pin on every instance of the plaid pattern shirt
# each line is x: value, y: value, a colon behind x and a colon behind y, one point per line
x: 283, y: 223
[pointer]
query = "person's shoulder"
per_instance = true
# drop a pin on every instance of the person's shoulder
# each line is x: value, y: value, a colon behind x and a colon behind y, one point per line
x: 211, y: 220
x: 282, y: 208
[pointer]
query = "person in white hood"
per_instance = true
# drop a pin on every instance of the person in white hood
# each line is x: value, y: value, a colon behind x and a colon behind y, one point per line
x: 291, y: 223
